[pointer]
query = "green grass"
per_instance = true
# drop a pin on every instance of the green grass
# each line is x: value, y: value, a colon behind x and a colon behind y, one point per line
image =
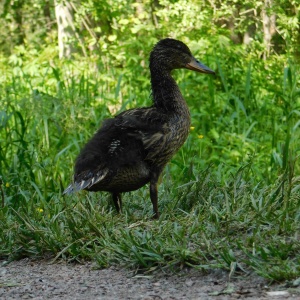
x: 229, y: 199
x: 204, y: 224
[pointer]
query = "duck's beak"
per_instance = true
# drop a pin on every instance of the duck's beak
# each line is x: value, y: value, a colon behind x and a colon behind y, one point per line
x: 196, y: 65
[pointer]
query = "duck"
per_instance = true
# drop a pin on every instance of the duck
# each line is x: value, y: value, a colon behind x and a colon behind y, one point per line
x: 132, y: 149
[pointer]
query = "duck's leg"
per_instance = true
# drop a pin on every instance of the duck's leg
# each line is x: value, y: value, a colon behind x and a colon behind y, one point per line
x: 154, y: 194
x: 117, y: 201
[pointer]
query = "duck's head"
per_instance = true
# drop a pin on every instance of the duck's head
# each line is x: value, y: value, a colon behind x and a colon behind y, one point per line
x: 172, y: 54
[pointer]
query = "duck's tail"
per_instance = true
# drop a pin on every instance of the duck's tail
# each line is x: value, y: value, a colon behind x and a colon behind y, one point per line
x: 85, y: 183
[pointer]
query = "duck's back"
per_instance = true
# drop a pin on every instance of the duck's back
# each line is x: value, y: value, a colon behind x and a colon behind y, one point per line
x: 127, y: 148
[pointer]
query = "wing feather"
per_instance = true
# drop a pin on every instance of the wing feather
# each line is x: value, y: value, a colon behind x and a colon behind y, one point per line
x: 146, y: 125
x: 137, y: 134
x: 85, y: 182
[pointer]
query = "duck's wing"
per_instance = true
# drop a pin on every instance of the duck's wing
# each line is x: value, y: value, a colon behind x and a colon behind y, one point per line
x: 146, y: 125
x: 86, y: 179
x: 132, y: 136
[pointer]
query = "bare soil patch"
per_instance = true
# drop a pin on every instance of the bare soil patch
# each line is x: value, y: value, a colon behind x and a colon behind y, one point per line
x: 28, y: 279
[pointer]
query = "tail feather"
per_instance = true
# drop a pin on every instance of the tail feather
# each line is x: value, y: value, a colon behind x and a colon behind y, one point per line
x: 85, y: 183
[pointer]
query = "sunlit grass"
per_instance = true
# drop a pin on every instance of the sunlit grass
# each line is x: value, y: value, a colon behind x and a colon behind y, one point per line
x: 204, y: 224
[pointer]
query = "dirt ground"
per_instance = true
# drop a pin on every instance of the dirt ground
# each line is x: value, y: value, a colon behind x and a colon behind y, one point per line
x: 28, y: 279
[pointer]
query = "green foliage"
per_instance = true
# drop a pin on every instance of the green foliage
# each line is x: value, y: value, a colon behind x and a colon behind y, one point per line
x: 230, y: 197
x: 25, y: 22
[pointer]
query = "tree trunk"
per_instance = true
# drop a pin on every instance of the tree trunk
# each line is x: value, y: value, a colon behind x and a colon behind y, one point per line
x: 66, y: 28
x: 269, y: 26
x: 18, y: 16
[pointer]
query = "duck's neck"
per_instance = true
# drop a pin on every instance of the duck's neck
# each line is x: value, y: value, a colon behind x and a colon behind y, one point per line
x: 166, y: 94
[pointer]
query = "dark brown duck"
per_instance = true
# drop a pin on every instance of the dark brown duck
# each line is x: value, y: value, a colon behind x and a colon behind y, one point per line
x: 132, y: 149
